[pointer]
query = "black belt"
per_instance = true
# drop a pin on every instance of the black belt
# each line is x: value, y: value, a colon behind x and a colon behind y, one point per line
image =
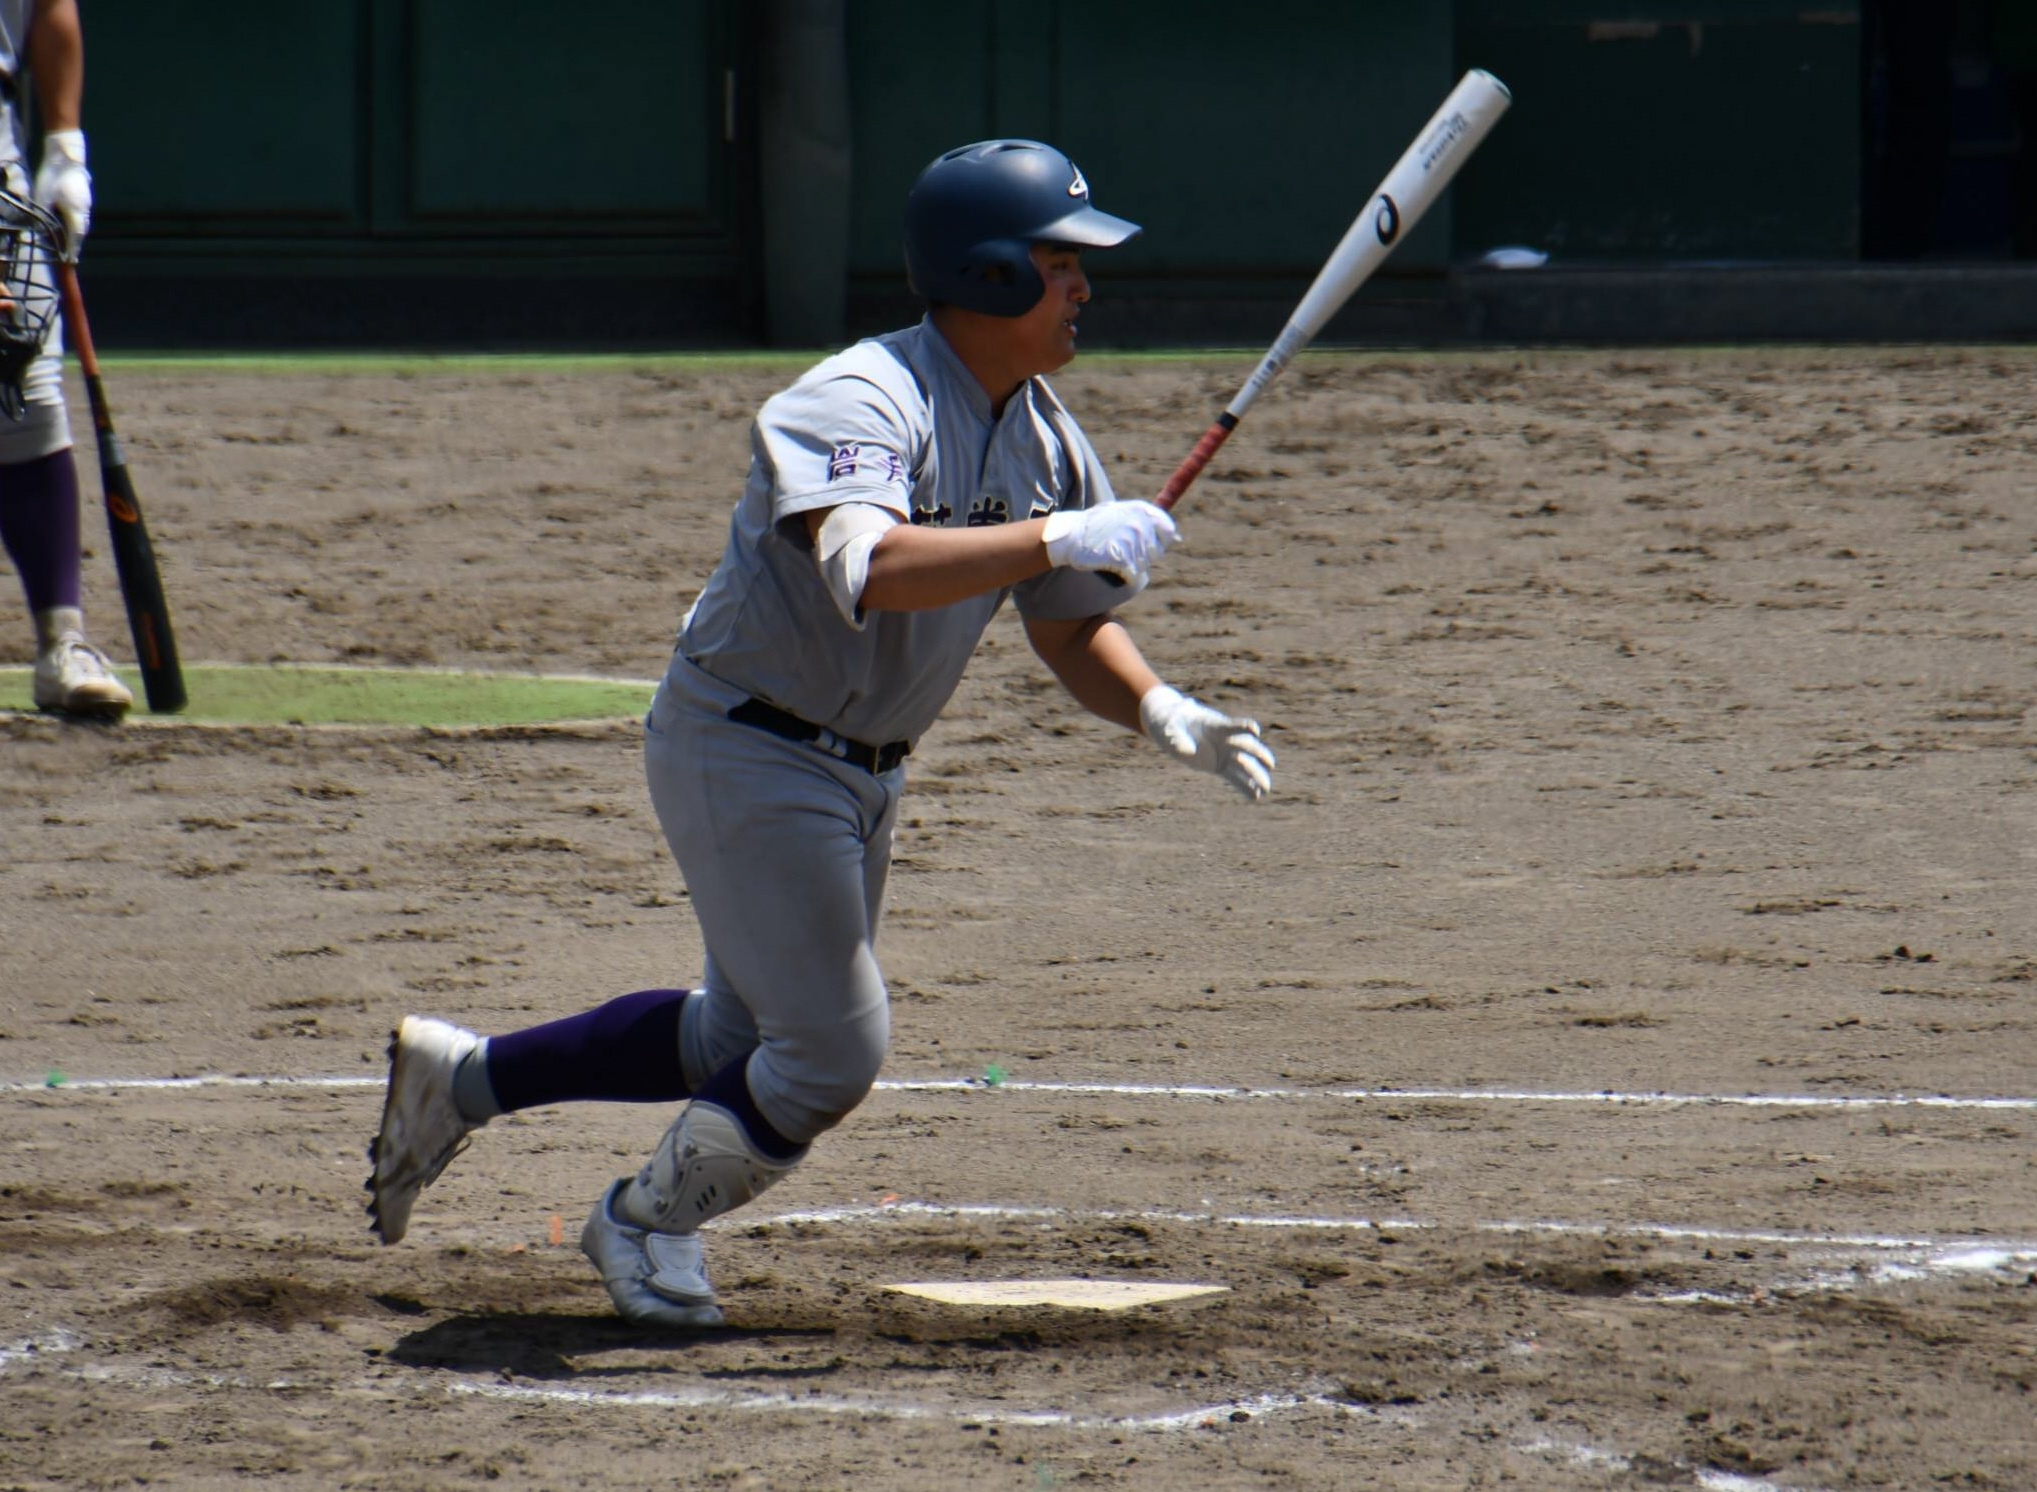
x: 872, y: 759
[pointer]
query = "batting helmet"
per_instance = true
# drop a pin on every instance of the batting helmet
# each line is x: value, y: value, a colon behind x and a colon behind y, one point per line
x: 974, y: 214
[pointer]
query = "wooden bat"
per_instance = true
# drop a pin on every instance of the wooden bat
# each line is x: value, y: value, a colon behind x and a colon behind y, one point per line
x: 141, y: 585
x: 1409, y: 189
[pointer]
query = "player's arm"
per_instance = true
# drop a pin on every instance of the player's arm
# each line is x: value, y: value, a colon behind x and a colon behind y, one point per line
x: 1098, y: 663
x: 878, y: 562
x: 55, y: 53
x: 917, y: 569
x: 56, y: 60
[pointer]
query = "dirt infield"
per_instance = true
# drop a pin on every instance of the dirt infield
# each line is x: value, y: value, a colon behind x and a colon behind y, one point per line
x: 1651, y: 727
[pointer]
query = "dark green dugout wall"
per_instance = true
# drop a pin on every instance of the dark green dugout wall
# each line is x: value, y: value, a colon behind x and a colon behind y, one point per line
x: 1667, y: 129
x: 504, y: 171
x: 1243, y: 153
x: 399, y: 122
x: 395, y: 170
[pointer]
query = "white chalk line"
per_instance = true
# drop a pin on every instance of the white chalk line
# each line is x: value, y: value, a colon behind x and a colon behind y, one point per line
x: 1930, y: 1258
x: 1258, y: 1406
x: 1601, y: 1459
x: 1897, y: 1259
x: 1608, y: 1097
x: 43, y: 1352
x: 1669, y: 1232
x: 37, y: 1353
x: 1933, y: 1258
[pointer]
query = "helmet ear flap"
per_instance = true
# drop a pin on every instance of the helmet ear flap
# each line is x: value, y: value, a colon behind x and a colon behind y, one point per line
x: 1005, y: 279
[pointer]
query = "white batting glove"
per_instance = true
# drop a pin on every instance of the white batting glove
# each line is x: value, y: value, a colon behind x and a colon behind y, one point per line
x: 1123, y: 538
x: 1190, y: 731
x: 63, y: 185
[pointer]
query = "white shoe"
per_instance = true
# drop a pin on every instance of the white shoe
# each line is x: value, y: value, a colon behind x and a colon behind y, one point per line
x: 422, y: 1127
x: 659, y: 1279
x: 75, y: 678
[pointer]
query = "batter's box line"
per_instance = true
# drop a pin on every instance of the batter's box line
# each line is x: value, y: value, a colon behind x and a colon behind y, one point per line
x: 1900, y: 1259
x: 1599, y: 1459
x: 1213, y: 1092
x: 43, y: 1353
x: 38, y: 1354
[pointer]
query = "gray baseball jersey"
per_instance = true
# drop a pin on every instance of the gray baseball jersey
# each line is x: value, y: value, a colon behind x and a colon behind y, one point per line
x: 900, y: 423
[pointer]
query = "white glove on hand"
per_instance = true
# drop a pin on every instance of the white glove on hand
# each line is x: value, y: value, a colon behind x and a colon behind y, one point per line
x: 1190, y: 731
x: 63, y: 185
x: 1123, y: 538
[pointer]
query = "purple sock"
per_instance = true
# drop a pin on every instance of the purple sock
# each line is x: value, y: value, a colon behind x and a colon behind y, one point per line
x: 730, y: 1089
x: 39, y: 527
x: 626, y: 1051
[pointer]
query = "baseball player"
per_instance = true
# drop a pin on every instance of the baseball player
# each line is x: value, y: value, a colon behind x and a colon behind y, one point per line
x: 38, y: 477
x: 898, y: 493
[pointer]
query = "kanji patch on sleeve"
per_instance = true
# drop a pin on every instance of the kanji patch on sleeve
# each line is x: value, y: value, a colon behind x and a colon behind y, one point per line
x: 860, y: 458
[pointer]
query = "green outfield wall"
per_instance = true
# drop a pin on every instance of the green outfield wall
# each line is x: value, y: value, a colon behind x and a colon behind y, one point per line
x: 505, y: 171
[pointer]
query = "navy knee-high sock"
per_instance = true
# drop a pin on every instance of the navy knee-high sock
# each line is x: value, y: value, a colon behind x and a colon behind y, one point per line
x: 39, y: 527
x: 730, y: 1087
x: 626, y: 1051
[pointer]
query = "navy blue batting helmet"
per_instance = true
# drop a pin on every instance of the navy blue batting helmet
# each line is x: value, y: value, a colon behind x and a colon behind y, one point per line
x: 974, y: 214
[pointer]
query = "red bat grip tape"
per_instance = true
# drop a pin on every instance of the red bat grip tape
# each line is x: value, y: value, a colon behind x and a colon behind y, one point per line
x: 1198, y: 458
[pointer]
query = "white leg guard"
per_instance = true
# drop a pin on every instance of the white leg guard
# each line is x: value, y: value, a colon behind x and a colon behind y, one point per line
x: 704, y: 1166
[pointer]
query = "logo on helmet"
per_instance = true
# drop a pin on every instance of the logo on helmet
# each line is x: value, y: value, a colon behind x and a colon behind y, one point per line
x: 1078, y: 187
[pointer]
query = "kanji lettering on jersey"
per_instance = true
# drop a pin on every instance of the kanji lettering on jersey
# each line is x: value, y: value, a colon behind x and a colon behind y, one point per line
x: 988, y: 509
x: 850, y: 459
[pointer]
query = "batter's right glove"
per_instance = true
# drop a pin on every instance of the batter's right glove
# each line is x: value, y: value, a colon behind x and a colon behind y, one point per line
x: 1123, y: 538
x: 1190, y: 731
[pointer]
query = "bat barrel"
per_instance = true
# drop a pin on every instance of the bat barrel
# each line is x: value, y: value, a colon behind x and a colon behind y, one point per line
x: 1410, y: 188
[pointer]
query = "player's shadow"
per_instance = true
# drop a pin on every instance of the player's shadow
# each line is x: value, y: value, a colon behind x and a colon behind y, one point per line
x: 555, y: 1344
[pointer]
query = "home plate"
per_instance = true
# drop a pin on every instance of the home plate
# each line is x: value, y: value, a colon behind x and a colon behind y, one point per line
x: 1076, y: 1295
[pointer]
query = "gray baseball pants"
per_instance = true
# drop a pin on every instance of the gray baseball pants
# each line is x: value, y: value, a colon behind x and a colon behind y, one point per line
x: 785, y: 851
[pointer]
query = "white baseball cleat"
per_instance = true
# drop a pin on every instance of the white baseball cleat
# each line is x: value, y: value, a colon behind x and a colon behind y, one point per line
x: 422, y: 1127
x: 659, y: 1279
x: 74, y: 678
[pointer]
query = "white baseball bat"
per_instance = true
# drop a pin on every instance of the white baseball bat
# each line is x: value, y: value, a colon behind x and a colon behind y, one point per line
x: 1415, y: 182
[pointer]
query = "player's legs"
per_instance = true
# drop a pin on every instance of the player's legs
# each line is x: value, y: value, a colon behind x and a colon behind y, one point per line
x: 717, y: 1028
x: 39, y: 527
x: 785, y: 853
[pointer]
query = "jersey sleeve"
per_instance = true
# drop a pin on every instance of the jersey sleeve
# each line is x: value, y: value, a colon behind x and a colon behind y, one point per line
x: 1063, y: 594
x: 834, y: 439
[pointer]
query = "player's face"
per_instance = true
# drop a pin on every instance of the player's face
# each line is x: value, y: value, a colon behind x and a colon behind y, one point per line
x: 1046, y: 334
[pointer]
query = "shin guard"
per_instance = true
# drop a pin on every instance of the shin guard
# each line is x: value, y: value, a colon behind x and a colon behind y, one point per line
x: 703, y: 1167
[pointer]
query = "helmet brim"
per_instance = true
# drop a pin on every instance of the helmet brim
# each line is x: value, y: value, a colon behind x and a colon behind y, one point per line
x: 1090, y: 229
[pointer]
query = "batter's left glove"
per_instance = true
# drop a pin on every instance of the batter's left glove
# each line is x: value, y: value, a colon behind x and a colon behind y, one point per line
x: 64, y: 186
x: 1190, y: 731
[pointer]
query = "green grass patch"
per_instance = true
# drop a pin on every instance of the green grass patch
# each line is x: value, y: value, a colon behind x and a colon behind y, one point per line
x: 227, y: 694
